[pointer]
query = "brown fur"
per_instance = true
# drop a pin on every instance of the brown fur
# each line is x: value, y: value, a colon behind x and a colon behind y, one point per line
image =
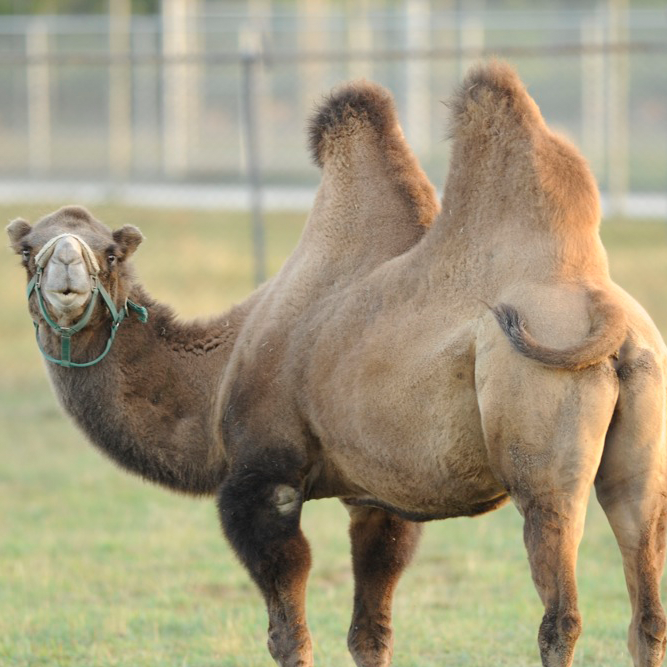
x: 382, y: 547
x: 153, y: 404
x: 398, y: 390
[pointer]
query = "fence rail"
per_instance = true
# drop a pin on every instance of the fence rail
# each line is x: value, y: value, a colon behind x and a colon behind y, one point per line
x: 96, y: 59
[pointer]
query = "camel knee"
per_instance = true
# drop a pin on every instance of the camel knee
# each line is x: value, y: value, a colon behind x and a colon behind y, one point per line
x: 570, y: 626
x: 290, y: 647
x: 654, y: 625
x: 566, y: 627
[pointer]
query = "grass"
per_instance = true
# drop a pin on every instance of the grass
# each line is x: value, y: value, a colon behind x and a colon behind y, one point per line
x: 99, y: 569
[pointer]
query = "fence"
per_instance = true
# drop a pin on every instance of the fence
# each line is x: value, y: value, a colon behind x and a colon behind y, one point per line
x: 223, y: 98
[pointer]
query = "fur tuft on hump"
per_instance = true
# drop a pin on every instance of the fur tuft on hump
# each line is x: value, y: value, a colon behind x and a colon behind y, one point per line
x: 499, y: 130
x: 492, y: 92
x: 363, y: 111
x: 353, y: 104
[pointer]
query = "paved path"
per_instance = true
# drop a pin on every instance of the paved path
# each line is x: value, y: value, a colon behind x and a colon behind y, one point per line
x: 228, y: 197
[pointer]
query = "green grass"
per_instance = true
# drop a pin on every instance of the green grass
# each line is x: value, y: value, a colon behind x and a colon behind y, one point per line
x: 98, y: 568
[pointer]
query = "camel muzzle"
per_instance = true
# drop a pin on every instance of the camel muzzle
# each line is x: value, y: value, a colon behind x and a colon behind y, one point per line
x: 97, y: 289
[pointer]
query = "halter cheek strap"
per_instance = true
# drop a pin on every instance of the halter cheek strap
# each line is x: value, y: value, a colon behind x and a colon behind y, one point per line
x: 97, y: 289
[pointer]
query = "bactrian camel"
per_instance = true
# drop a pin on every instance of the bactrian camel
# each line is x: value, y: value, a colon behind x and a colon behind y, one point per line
x: 493, y: 359
x: 151, y: 402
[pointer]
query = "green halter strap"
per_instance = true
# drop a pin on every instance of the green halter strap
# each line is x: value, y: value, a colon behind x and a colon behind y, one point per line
x: 66, y: 333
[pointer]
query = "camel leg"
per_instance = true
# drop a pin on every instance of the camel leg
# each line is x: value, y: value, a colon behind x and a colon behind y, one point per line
x: 546, y: 446
x: 382, y: 547
x: 260, y: 510
x: 552, y: 532
x: 631, y: 487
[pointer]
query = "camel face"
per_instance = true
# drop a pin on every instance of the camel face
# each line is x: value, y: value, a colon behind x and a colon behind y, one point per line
x: 72, y: 251
x: 66, y: 280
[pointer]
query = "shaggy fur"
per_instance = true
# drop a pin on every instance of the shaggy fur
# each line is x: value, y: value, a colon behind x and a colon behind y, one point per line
x: 367, y: 107
x: 154, y: 404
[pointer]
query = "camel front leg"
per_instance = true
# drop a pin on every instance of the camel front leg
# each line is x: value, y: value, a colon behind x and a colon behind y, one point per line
x: 382, y: 547
x: 260, y: 510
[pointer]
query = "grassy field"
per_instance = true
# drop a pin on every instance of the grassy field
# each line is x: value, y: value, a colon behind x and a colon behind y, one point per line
x: 100, y: 569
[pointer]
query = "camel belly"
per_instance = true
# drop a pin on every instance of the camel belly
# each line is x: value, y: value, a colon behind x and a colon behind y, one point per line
x: 420, y: 480
x: 404, y: 429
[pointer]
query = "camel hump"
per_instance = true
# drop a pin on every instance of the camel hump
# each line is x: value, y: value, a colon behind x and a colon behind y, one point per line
x: 349, y: 107
x: 491, y: 96
x: 607, y: 334
x: 499, y: 130
x: 356, y: 131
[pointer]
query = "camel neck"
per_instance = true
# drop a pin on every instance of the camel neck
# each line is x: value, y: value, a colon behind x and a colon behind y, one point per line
x: 149, y: 404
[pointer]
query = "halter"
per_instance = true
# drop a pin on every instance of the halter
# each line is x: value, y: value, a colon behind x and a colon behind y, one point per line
x: 97, y: 289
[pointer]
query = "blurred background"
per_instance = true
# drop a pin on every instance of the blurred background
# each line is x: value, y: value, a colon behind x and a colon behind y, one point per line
x: 204, y: 102
x: 188, y: 119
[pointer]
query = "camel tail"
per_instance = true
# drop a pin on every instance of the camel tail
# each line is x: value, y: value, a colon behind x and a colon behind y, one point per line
x: 608, y: 331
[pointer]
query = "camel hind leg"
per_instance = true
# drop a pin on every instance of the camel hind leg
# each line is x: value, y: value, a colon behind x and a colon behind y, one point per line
x: 552, y: 496
x: 631, y: 488
x: 545, y: 433
x: 382, y: 547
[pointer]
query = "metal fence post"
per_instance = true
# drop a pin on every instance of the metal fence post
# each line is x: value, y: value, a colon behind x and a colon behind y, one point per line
x: 250, y: 63
x: 175, y: 88
x: 39, y: 98
x: 120, y: 90
x: 617, y: 108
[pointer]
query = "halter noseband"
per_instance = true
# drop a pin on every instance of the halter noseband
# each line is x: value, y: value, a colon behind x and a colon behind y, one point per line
x: 97, y: 289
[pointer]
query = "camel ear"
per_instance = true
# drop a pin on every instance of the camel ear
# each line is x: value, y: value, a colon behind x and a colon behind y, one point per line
x: 16, y: 230
x: 128, y: 238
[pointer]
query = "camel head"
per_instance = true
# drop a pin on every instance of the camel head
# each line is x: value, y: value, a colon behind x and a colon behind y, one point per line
x: 71, y: 259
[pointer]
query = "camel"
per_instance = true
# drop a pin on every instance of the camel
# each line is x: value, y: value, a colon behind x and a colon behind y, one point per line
x: 144, y: 386
x: 486, y: 360
x: 494, y: 360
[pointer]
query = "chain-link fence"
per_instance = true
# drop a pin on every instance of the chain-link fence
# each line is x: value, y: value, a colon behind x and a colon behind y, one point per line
x: 215, y: 103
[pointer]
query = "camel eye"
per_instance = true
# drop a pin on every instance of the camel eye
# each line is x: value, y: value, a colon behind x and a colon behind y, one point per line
x: 25, y: 253
x: 111, y: 259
